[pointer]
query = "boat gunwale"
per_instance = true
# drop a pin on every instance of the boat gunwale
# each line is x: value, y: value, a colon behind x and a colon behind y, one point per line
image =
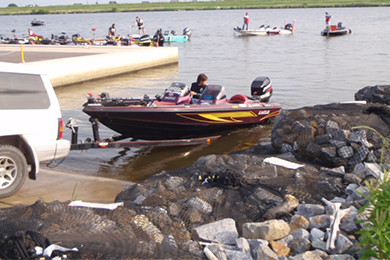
x: 184, y: 108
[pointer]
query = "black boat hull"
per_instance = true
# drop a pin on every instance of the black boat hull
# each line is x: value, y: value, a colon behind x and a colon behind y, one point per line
x: 173, y: 123
x: 336, y: 33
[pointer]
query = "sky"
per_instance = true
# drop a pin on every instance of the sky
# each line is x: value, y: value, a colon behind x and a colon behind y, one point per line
x: 5, y: 3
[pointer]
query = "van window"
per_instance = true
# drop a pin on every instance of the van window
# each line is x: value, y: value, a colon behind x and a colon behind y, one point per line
x: 22, y: 91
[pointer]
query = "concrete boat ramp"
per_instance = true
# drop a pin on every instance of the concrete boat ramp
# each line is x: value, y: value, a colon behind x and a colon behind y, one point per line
x: 67, y: 65
x: 70, y: 64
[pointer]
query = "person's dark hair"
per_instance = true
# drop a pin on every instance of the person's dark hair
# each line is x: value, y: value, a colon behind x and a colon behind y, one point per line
x: 201, y: 77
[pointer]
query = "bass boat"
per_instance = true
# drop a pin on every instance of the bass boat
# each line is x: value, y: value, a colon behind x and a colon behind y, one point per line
x: 171, y: 36
x: 336, y: 30
x: 264, y: 30
x: 176, y: 115
x: 36, y: 22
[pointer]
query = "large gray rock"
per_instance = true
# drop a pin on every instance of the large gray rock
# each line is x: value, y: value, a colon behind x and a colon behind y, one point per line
x: 264, y: 252
x: 306, y: 256
x: 341, y: 257
x: 237, y: 255
x: 319, y: 221
x: 309, y: 210
x: 375, y: 94
x: 297, y: 222
x: 299, y: 245
x: 316, y: 233
x: 343, y: 245
x: 268, y: 230
x: 243, y: 245
x: 223, y: 231
x: 318, y: 244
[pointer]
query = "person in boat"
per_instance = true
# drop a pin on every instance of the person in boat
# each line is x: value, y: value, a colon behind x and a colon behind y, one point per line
x: 327, y: 20
x: 31, y: 36
x: 14, y: 34
x: 246, y: 21
x: 112, y: 31
x: 140, y: 24
x: 198, y: 87
x: 158, y: 38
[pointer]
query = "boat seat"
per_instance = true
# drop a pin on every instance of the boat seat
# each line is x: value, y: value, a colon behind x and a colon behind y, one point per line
x: 333, y: 28
x: 238, y: 99
x: 213, y: 94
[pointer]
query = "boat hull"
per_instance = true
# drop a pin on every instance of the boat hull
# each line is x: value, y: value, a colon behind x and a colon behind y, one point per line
x: 251, y: 32
x: 176, y: 122
x: 176, y: 38
x: 336, y: 32
x: 262, y: 32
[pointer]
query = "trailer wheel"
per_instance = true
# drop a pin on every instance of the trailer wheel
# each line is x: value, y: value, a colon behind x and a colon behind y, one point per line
x: 13, y: 170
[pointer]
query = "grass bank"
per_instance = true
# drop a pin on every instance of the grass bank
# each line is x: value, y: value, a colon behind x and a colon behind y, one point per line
x: 174, y: 6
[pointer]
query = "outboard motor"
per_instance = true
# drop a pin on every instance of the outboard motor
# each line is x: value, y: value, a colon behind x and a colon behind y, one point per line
x: 126, y: 42
x: 145, y: 40
x: 288, y: 26
x: 75, y: 36
x: 261, y: 89
x: 63, y: 39
x: 187, y: 31
x: 104, y: 95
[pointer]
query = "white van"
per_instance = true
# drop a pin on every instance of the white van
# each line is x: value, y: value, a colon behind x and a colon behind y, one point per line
x: 31, y: 126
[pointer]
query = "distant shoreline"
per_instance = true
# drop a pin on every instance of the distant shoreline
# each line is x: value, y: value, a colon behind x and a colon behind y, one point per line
x: 189, y: 6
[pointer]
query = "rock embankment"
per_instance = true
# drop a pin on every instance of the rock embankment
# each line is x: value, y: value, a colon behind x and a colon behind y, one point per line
x: 333, y: 135
x: 294, y: 198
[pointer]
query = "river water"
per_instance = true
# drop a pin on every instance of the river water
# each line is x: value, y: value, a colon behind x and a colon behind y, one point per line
x: 306, y: 69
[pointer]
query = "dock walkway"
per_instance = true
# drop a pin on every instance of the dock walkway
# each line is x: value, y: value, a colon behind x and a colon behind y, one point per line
x: 66, y: 65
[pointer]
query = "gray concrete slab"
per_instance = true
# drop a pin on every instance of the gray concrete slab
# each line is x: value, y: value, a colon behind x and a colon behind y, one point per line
x: 52, y: 185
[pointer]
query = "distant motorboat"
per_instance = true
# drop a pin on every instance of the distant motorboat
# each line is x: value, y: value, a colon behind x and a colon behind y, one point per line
x: 171, y: 36
x: 264, y: 30
x: 36, y: 22
x: 336, y: 30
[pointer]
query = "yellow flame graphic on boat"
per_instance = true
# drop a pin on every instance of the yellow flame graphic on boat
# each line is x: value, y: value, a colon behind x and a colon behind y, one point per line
x: 271, y: 115
x: 223, y: 117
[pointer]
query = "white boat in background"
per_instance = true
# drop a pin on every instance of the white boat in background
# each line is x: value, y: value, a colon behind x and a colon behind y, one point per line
x: 264, y: 30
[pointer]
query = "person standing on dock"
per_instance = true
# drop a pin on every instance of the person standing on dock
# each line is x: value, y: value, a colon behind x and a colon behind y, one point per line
x: 112, y: 31
x: 327, y: 19
x: 140, y: 24
x: 246, y: 21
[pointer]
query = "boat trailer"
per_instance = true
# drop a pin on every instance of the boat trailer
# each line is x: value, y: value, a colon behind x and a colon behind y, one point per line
x: 116, y: 141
